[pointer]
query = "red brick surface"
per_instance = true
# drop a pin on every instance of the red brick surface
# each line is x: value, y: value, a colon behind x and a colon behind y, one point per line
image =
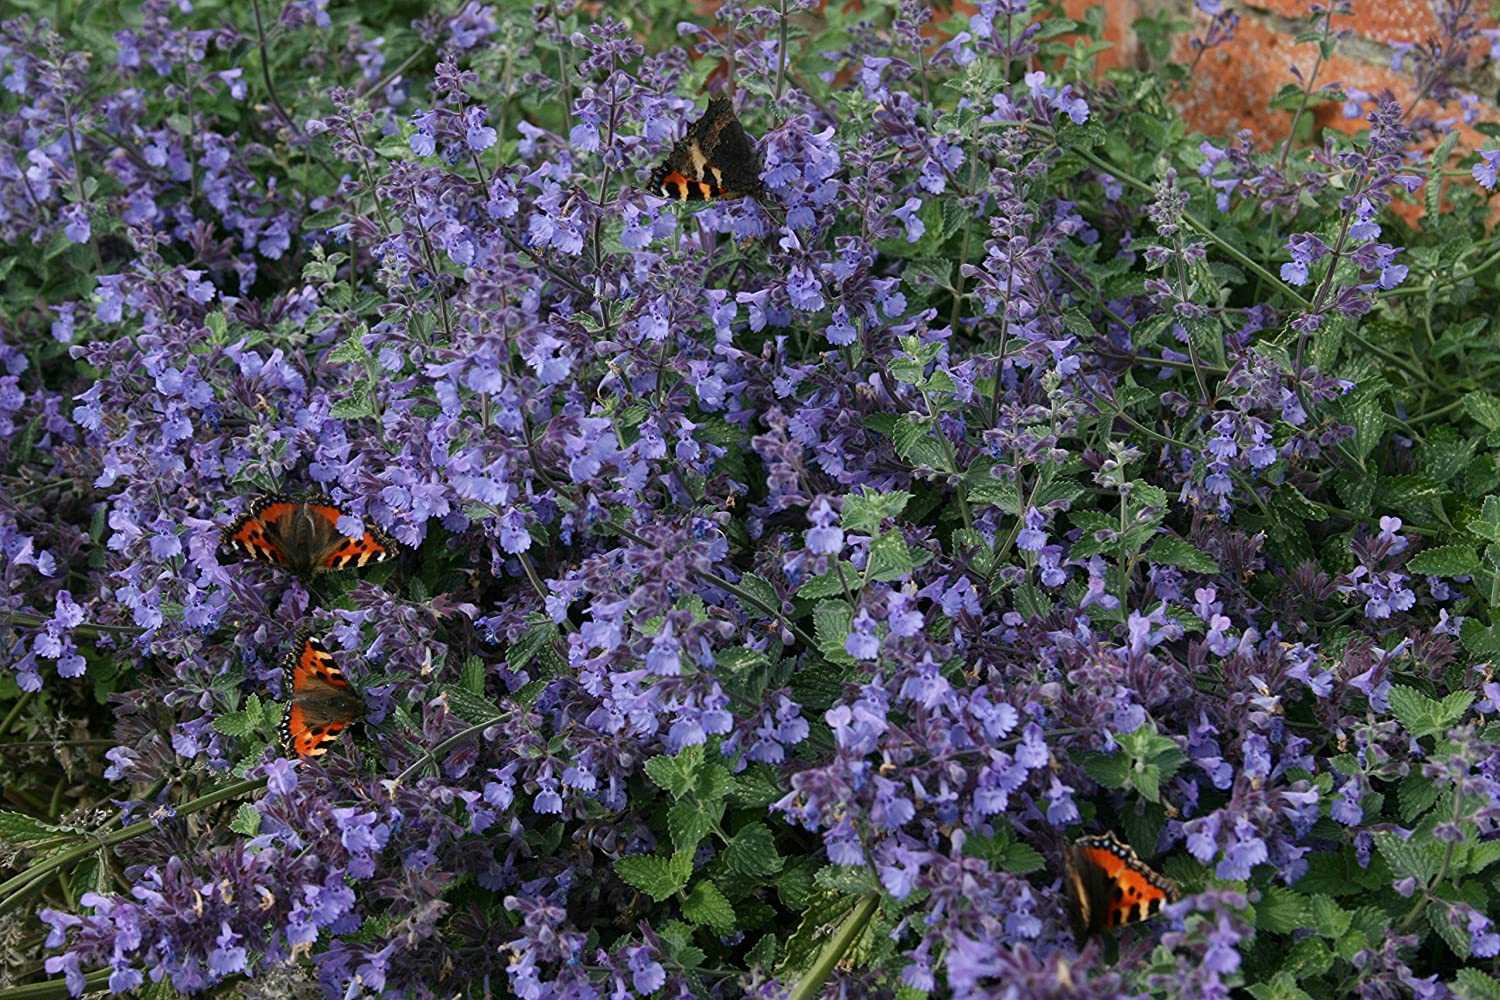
x: 1379, y: 20
x: 1234, y: 83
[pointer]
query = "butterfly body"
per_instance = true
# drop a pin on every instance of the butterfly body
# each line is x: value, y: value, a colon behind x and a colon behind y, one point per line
x: 716, y: 159
x: 1109, y: 886
x: 301, y: 534
x: 321, y: 703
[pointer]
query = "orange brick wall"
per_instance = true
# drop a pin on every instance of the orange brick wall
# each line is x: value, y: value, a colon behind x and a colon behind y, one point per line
x: 1234, y: 83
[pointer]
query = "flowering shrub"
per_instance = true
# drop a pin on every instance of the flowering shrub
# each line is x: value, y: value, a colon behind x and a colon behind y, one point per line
x: 788, y: 580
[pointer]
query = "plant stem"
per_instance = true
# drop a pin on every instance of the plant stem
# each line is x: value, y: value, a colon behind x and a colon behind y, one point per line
x: 15, y: 711
x: 843, y: 939
x: 1198, y: 225
x: 265, y: 72
x: 56, y: 989
x: 231, y: 791
x: 432, y: 756
x: 781, y: 55
x: 1291, y: 134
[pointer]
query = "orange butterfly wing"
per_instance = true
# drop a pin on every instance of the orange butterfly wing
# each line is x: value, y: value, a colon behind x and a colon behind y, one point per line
x: 1110, y: 886
x: 321, y: 703
x: 248, y: 535
x: 372, y: 547
x: 270, y: 527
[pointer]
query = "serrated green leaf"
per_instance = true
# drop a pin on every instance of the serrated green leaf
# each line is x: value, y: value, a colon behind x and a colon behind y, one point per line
x: 534, y: 642
x: 1329, y: 919
x: 1109, y: 770
x: 689, y: 821
x: 1457, y: 938
x: 752, y: 852
x: 246, y: 821
x: 1408, y: 858
x: 354, y: 403
x: 677, y: 774
x: 759, y: 588
x: 1282, y: 911
x: 756, y: 787
x: 1471, y: 984
x: 917, y: 443
x: 889, y: 558
x: 1487, y: 524
x: 1445, y: 560
x: 1279, y: 987
x: 1021, y: 859
x: 472, y: 708
x: 1415, y: 795
x: 1483, y: 408
x: 1480, y: 640
x: 831, y: 584
x: 1169, y: 551
x: 18, y: 828
x: 831, y: 629
x: 1417, y: 712
x: 472, y: 676
x: 706, y: 905
x: 993, y: 492
x: 656, y: 876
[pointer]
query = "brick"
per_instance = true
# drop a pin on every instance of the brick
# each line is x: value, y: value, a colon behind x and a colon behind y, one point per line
x: 1119, y: 16
x: 1383, y: 21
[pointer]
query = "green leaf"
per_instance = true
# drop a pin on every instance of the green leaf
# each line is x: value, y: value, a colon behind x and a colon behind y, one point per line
x: 1445, y: 560
x: 1413, y: 857
x: 752, y: 852
x: 678, y: 774
x: 658, y: 877
x: 1416, y: 795
x: 353, y: 403
x: 1329, y: 919
x: 689, y: 821
x: 472, y: 708
x: 831, y: 628
x: 759, y: 588
x: 1369, y: 424
x: 532, y: 643
x: 246, y: 820
x: 1471, y: 984
x: 1480, y: 640
x: 18, y: 828
x: 916, y: 442
x: 472, y: 676
x: 706, y: 906
x: 1022, y: 859
x: 890, y: 559
x: 1487, y: 524
x: 1457, y: 938
x: 1002, y: 493
x: 1110, y: 770
x: 830, y: 584
x: 242, y: 723
x: 1483, y: 408
x: 756, y: 787
x: 1282, y: 911
x: 1282, y: 986
x: 1169, y: 551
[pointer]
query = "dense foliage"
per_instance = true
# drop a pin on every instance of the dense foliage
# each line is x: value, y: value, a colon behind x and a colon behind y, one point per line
x: 788, y: 579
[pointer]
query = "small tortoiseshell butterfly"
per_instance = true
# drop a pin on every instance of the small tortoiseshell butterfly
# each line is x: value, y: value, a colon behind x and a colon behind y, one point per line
x: 1109, y: 886
x: 301, y: 534
x: 716, y: 159
x: 321, y: 704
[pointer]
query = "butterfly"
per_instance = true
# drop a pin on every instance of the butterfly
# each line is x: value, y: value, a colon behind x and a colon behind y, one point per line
x: 321, y: 704
x: 301, y: 534
x: 716, y: 159
x: 1109, y: 886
